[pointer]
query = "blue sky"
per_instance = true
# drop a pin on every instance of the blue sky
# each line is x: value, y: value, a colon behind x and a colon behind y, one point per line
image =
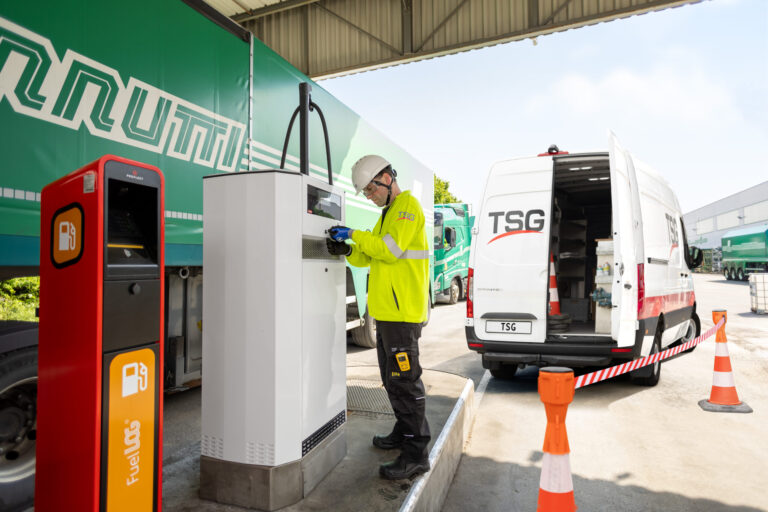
x: 684, y: 89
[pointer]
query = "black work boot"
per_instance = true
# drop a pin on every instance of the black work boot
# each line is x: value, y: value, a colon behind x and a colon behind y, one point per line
x: 400, y: 469
x: 388, y: 442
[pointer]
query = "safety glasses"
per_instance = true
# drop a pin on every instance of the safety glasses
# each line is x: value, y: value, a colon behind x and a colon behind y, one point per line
x: 372, y: 186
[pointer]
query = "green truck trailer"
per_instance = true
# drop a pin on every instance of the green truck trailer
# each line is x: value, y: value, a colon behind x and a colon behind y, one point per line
x: 744, y: 251
x: 173, y: 84
x: 452, y: 240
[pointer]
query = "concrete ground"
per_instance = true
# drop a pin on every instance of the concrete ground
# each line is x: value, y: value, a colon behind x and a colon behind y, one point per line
x: 634, y: 448
x: 354, y: 484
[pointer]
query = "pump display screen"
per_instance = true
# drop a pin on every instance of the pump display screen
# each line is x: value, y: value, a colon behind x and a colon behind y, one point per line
x: 131, y: 224
x: 323, y: 203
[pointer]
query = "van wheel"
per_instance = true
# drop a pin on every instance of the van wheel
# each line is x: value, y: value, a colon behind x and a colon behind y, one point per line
x: 18, y: 419
x: 694, y: 330
x: 649, y: 376
x: 365, y: 335
x: 740, y: 274
x: 455, y: 291
x: 726, y: 273
x: 504, y: 372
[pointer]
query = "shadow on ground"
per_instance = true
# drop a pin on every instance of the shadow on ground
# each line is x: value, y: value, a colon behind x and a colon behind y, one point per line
x: 526, y: 381
x: 485, y: 485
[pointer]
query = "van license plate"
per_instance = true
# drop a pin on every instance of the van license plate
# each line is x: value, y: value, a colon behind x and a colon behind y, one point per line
x: 510, y: 327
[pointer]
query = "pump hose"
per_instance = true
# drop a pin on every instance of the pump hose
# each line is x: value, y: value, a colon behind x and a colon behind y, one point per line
x: 312, y: 105
x: 288, y: 137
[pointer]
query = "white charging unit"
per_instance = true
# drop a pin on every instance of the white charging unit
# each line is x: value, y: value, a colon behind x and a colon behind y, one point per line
x: 274, y: 337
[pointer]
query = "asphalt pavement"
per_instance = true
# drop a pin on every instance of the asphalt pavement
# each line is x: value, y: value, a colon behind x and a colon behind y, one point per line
x: 634, y: 448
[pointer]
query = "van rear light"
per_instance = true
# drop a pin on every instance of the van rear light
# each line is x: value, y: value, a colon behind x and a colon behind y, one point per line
x: 476, y: 345
x: 640, y: 288
x: 470, y: 295
x: 621, y: 350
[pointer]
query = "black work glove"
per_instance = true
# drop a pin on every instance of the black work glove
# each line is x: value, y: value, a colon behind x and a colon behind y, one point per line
x: 338, y: 248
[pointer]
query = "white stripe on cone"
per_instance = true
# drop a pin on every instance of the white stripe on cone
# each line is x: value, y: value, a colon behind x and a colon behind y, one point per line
x: 553, y: 297
x: 723, y: 379
x: 721, y: 349
x: 556, y: 474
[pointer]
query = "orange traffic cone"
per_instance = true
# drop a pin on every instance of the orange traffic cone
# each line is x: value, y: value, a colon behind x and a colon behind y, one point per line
x: 556, y: 486
x: 723, y: 397
x: 556, y: 322
x: 554, y: 298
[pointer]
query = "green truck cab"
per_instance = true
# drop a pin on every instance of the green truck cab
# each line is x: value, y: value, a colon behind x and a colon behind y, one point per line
x: 452, y: 240
x: 745, y: 251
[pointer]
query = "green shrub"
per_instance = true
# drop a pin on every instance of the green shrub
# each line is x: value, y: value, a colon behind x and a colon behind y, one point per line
x: 19, y: 297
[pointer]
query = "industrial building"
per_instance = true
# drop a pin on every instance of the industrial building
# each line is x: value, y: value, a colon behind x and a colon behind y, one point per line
x: 706, y: 226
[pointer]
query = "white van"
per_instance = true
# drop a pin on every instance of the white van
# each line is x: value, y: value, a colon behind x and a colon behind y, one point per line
x: 579, y: 209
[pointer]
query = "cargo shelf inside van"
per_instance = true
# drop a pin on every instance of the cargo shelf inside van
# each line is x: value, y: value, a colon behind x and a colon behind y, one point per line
x: 581, y: 215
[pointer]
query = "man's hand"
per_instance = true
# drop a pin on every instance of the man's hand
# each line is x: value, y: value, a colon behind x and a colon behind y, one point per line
x: 340, y: 233
x: 338, y: 248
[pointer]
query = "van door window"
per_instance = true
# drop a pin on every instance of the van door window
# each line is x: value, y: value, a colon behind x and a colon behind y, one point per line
x: 673, y: 232
x: 686, y: 249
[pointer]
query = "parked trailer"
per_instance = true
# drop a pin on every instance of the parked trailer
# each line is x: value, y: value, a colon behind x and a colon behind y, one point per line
x: 452, y: 241
x: 175, y: 87
x: 745, y: 251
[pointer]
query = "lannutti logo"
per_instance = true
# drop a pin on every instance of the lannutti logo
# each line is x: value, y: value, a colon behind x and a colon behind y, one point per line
x: 76, y: 91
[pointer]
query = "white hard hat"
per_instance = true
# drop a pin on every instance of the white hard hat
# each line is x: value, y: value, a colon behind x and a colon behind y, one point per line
x: 366, y: 169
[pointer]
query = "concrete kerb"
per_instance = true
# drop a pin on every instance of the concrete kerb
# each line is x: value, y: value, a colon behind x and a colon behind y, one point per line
x: 354, y: 483
x: 429, y: 491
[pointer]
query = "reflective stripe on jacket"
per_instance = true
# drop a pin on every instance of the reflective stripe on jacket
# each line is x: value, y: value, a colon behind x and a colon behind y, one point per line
x: 398, y: 255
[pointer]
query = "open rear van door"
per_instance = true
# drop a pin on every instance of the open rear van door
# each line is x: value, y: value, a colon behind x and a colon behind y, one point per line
x: 511, y: 252
x: 628, y: 288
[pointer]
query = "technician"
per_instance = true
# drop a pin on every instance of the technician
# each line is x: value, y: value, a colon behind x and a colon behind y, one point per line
x: 398, y: 255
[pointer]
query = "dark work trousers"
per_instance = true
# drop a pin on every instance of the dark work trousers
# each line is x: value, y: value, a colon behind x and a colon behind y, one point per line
x: 405, y: 389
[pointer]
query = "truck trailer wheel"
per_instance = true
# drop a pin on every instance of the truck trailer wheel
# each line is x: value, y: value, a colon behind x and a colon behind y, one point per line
x: 455, y: 291
x: 731, y: 273
x: 18, y: 412
x: 649, y: 376
x: 365, y: 335
x: 726, y: 273
x: 740, y: 274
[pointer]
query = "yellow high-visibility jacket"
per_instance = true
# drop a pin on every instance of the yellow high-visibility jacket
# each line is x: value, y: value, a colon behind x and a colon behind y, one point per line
x: 398, y: 255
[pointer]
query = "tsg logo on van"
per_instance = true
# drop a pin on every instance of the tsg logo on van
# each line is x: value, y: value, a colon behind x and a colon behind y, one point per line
x: 515, y: 222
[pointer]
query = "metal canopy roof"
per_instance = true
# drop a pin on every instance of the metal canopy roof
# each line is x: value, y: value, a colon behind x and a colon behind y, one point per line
x: 324, y: 38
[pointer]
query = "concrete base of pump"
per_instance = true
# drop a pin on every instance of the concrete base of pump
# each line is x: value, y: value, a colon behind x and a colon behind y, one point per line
x: 270, y: 487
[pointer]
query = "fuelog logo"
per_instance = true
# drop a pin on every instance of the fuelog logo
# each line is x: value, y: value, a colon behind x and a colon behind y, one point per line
x: 517, y: 222
x: 132, y: 441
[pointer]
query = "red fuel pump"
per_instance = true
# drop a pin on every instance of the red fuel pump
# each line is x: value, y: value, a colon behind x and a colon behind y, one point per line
x: 99, y: 426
